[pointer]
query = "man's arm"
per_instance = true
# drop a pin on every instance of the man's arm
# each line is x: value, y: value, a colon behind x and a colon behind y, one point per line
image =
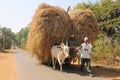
x: 79, y: 47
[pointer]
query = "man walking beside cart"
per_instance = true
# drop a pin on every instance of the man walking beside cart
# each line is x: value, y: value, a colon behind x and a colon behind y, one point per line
x: 85, y: 51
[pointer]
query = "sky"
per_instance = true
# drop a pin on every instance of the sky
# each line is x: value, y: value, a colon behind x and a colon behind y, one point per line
x: 17, y: 14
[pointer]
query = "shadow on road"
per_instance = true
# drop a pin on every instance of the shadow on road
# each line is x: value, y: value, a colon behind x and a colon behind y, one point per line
x: 96, y: 71
x: 7, y: 52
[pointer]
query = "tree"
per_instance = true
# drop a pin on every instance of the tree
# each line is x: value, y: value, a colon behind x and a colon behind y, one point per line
x: 7, y: 38
x: 21, y: 37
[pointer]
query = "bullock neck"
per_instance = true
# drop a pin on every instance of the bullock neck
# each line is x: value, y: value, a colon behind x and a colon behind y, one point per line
x: 62, y: 50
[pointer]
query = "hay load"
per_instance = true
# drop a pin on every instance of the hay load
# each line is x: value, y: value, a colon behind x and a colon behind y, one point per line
x: 84, y: 24
x: 50, y: 25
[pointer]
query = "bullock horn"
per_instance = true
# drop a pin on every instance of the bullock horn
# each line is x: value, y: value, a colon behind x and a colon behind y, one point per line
x: 66, y: 42
x: 62, y: 40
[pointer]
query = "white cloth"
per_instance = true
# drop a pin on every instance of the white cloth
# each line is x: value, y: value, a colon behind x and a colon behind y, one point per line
x: 83, y: 52
x: 86, y: 38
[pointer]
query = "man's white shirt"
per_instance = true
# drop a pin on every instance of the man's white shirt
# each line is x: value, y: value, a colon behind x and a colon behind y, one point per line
x: 83, y: 52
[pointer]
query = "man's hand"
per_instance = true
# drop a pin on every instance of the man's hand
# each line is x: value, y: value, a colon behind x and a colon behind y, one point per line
x: 77, y: 48
x: 86, y: 49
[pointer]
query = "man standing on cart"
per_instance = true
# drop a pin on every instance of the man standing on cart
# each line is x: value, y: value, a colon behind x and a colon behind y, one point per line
x: 72, y: 45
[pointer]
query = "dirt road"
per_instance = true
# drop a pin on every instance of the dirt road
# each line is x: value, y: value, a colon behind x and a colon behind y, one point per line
x: 29, y: 69
x: 21, y: 66
x: 8, y: 69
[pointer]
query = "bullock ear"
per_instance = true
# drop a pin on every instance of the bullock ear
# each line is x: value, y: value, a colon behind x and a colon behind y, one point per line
x: 62, y: 40
x: 62, y: 44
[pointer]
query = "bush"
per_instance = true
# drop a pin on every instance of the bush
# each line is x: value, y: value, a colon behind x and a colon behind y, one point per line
x: 105, y: 51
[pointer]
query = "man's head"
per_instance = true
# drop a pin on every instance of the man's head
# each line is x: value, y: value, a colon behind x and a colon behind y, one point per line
x: 72, y: 35
x: 86, y: 40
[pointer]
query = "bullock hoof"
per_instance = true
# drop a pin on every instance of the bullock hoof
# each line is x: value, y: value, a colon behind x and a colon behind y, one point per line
x: 61, y: 70
x: 54, y: 68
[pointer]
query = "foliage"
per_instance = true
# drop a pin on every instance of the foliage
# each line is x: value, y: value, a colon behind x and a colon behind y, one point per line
x: 106, y: 11
x: 7, y: 38
x: 105, y: 49
x: 21, y: 37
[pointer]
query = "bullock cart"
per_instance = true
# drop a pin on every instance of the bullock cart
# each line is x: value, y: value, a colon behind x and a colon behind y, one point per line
x: 50, y: 25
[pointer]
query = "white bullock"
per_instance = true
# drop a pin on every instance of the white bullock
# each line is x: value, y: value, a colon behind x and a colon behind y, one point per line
x: 59, y: 53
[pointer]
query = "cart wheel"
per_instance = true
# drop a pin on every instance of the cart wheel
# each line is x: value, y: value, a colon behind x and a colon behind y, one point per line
x: 67, y: 61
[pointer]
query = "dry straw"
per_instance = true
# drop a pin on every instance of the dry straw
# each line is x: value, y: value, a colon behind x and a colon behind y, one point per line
x: 48, y: 27
x: 84, y: 23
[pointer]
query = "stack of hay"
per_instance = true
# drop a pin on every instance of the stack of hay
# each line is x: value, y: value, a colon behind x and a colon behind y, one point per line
x: 84, y: 23
x: 50, y: 25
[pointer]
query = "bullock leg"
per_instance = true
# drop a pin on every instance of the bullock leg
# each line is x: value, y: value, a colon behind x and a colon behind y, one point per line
x: 60, y: 63
x: 53, y: 62
x: 63, y: 62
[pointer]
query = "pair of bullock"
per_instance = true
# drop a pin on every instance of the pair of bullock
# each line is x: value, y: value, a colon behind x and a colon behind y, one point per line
x: 59, y: 53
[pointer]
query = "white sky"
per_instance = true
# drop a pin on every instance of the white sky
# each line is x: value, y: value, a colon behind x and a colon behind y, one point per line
x: 17, y: 14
